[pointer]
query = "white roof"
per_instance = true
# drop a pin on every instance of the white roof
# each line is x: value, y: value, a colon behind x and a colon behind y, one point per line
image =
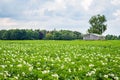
x: 93, y: 34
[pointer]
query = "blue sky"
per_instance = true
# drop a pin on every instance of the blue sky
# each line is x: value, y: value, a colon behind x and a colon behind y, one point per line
x: 58, y: 14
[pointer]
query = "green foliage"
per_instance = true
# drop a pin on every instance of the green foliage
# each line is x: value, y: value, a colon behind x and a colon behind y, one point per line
x: 17, y: 34
x: 49, y: 36
x: 112, y: 37
x: 59, y: 60
x: 1, y: 33
x: 63, y: 35
x: 32, y: 35
x: 68, y: 35
x: 27, y: 34
x: 97, y: 24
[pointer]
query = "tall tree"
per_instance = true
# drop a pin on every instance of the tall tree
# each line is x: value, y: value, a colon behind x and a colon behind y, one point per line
x: 97, y: 24
x: 1, y: 33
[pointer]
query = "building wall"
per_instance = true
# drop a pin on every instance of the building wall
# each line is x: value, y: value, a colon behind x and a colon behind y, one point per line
x: 93, y: 37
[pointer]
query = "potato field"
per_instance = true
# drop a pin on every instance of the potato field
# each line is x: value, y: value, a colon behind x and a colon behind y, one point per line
x: 59, y: 60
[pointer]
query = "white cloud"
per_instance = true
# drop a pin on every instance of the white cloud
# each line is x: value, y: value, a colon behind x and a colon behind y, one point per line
x: 115, y: 2
x: 56, y: 5
x: 113, y: 27
x: 6, y: 1
x: 117, y: 14
x: 59, y: 14
x: 86, y: 4
x: 40, y: 12
x: 33, y: 1
x: 7, y: 22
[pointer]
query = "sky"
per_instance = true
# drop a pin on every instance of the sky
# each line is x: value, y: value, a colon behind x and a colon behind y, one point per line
x: 58, y: 14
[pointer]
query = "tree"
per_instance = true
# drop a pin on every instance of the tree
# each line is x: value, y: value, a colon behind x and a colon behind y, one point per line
x: 6, y: 35
x: 57, y: 35
x: 77, y: 35
x: 1, y: 34
x: 67, y: 35
x: 17, y: 34
x: 97, y: 24
x: 119, y: 37
x: 44, y: 32
x: 49, y: 36
x: 111, y: 37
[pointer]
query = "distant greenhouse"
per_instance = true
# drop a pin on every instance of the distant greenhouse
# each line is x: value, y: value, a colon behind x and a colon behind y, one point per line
x: 92, y: 36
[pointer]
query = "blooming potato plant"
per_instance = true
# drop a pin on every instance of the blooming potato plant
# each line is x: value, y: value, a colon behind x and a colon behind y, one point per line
x: 59, y: 60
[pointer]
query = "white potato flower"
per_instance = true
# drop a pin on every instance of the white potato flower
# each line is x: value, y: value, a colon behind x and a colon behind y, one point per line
x: 116, y: 78
x: 19, y: 65
x: 45, y: 71
x: 55, y: 75
x: 105, y: 76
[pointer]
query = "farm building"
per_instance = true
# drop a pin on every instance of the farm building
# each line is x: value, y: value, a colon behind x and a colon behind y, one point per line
x: 92, y: 36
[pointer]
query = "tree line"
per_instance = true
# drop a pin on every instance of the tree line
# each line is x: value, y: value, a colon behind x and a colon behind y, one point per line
x: 112, y: 37
x: 29, y: 34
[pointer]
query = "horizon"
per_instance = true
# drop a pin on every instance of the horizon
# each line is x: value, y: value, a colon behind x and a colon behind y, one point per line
x: 71, y: 15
